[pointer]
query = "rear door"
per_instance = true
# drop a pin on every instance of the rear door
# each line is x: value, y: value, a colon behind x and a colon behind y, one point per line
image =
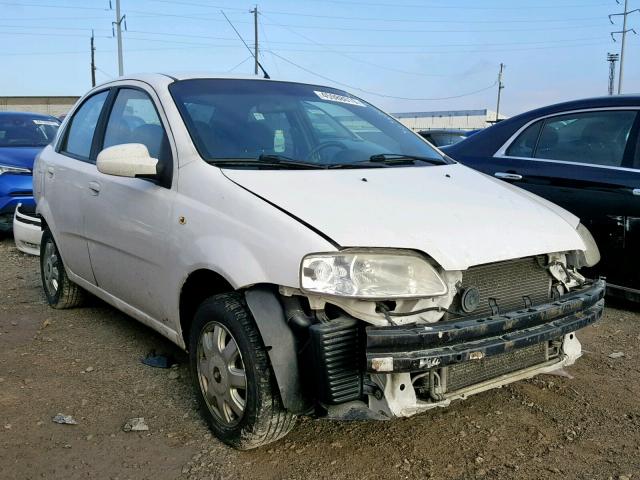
x: 127, y: 219
x: 67, y: 174
x: 584, y: 161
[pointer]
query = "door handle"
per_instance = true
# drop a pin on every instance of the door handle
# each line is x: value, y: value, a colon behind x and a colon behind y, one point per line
x: 50, y: 171
x: 636, y: 191
x: 507, y: 176
x: 94, y: 187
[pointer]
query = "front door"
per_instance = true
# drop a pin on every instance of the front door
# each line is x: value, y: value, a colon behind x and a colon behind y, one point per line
x: 128, y: 219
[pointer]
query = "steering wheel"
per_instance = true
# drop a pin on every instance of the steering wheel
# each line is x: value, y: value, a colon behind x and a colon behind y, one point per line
x: 315, y: 151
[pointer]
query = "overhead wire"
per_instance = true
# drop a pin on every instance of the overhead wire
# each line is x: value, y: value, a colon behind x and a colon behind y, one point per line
x: 359, y: 60
x: 369, y: 92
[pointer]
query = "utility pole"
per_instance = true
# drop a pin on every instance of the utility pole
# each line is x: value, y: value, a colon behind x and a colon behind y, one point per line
x: 93, y: 62
x: 612, y: 58
x: 118, y: 25
x: 253, y: 54
x: 623, y: 32
x: 255, y: 36
x: 500, y: 87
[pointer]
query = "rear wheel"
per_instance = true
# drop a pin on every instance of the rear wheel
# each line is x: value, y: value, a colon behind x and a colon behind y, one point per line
x: 233, y: 377
x: 60, y: 291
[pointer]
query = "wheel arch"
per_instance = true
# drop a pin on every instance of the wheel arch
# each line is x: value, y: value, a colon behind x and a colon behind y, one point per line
x: 267, y: 311
x: 197, y: 287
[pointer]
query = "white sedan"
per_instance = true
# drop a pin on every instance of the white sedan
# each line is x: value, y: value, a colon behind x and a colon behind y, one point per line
x: 312, y: 254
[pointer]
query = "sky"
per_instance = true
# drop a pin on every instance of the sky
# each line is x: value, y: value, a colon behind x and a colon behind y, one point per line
x: 401, y: 55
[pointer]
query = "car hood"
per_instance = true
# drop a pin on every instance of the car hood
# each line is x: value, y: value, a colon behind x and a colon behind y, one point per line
x: 19, y: 156
x: 457, y: 216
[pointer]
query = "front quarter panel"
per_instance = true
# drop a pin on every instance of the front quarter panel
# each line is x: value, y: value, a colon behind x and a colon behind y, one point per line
x: 222, y: 227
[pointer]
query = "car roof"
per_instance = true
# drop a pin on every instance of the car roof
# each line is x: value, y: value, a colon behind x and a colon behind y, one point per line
x: 487, y: 141
x: 162, y: 79
x: 585, y: 103
x: 28, y: 115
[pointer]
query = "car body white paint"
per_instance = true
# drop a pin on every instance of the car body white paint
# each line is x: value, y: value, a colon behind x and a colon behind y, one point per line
x: 449, y: 212
x: 139, y: 255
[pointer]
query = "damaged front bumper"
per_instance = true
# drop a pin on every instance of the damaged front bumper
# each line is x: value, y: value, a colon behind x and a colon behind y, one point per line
x: 415, y: 348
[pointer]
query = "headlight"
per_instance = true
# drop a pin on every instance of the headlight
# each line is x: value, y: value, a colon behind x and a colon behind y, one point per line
x: 10, y: 169
x: 591, y: 255
x: 370, y: 274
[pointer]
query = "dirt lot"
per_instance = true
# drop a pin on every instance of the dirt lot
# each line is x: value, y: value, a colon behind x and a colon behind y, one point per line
x: 86, y: 363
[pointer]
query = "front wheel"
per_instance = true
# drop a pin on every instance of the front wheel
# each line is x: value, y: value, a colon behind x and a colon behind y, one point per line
x: 232, y: 375
x: 60, y: 291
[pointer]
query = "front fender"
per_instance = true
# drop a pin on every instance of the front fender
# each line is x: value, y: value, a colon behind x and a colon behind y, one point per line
x: 280, y: 342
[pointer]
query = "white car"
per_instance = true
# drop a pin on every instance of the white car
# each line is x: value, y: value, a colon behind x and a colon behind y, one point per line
x: 313, y: 255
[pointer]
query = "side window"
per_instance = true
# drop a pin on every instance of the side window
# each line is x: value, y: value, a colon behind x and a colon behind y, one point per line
x: 83, y: 125
x: 134, y: 119
x: 524, y: 145
x: 598, y: 138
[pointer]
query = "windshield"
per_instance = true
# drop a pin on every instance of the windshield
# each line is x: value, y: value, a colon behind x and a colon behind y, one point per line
x: 25, y: 131
x: 262, y: 121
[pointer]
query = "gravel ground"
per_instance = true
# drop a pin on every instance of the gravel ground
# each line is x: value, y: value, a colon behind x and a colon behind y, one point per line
x: 86, y: 363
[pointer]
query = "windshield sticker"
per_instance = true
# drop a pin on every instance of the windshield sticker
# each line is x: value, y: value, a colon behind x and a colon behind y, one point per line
x: 46, y: 122
x: 333, y: 97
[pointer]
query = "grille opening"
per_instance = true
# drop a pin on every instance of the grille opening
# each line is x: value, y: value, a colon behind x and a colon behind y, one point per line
x: 504, y: 286
x: 448, y: 380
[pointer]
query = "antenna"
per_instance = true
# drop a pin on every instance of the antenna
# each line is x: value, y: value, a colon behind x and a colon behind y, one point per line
x: 266, y: 75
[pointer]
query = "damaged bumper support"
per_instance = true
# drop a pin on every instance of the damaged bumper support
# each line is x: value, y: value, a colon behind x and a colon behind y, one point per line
x: 422, y: 347
x: 455, y: 359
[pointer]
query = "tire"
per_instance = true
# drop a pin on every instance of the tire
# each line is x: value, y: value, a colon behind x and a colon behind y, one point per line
x: 249, y: 414
x: 61, y: 292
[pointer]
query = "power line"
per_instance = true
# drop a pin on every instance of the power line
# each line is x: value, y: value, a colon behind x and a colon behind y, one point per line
x: 399, y: 5
x: 464, y: 7
x: 380, y: 94
x: 206, y: 18
x: 268, y: 43
x: 360, y: 18
x: 383, y: 46
x: 40, y: 5
x: 242, y: 62
x: 255, y: 56
x: 358, y: 60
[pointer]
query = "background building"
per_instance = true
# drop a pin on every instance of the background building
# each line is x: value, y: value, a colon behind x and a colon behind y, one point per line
x: 448, y: 119
x: 55, y: 106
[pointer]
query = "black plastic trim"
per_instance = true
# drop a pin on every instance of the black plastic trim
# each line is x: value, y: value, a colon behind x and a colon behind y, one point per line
x: 267, y: 311
x: 420, y: 347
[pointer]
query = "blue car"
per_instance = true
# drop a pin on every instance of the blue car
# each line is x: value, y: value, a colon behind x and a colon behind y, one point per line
x: 22, y: 136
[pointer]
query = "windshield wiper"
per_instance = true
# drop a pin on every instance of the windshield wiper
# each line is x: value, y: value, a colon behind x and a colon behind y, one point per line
x: 401, y: 158
x: 382, y: 160
x: 264, y: 161
x: 288, y: 161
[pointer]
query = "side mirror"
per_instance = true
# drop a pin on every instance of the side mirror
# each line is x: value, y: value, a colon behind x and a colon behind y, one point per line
x: 127, y: 160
